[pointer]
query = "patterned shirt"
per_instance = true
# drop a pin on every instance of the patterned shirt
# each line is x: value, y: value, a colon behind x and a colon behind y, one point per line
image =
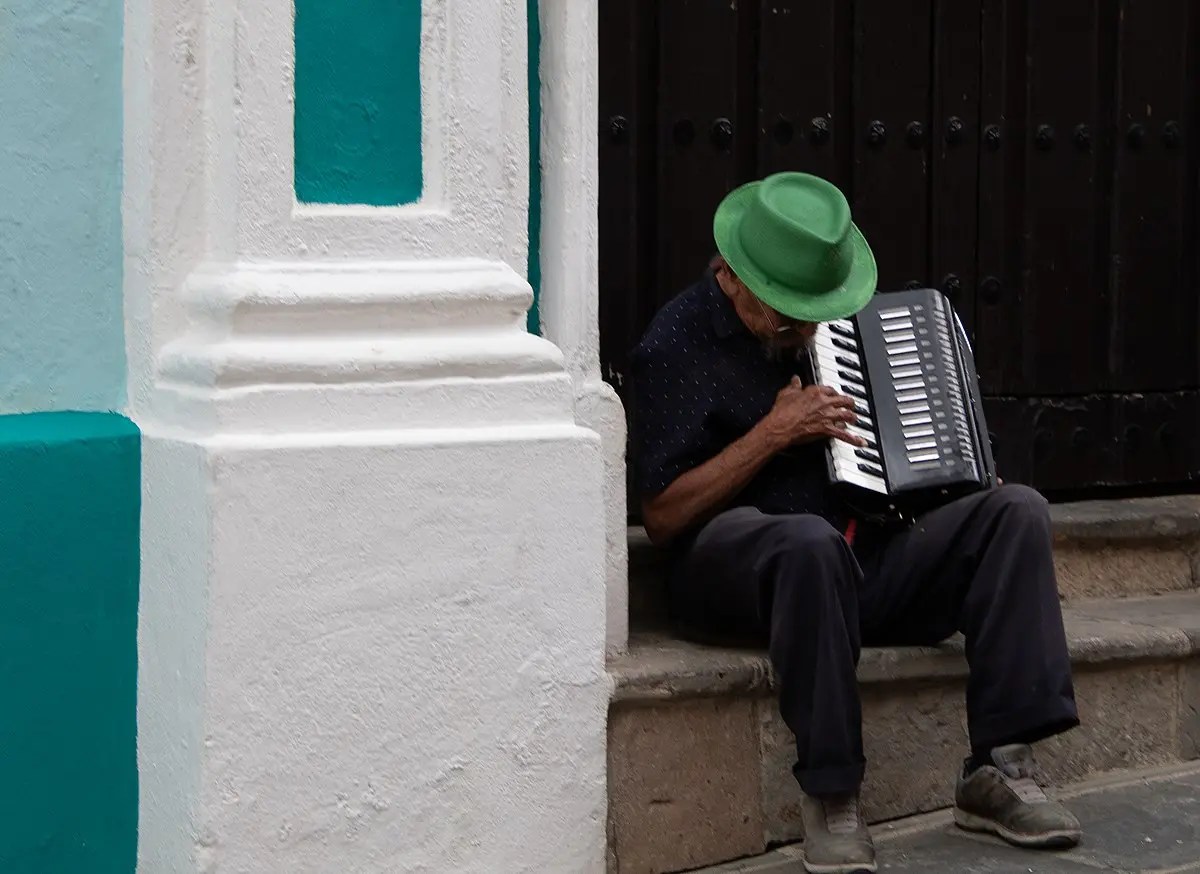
x: 701, y: 380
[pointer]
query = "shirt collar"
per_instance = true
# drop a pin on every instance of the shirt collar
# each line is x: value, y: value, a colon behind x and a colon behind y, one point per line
x: 725, y: 319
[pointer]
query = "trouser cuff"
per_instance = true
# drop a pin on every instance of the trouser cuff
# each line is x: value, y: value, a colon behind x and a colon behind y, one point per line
x: 1028, y: 725
x: 829, y: 782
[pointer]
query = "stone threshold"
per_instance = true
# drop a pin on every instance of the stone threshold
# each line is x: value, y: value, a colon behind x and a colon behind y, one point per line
x: 1103, y: 549
x: 1129, y: 519
x: 658, y: 667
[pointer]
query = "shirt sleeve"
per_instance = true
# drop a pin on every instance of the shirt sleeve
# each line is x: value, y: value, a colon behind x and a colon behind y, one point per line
x: 671, y: 422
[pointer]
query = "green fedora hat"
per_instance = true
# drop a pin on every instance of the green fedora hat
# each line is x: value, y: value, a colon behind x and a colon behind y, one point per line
x: 790, y: 239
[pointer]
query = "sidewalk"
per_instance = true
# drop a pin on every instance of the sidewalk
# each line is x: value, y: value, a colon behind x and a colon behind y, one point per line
x: 1143, y: 824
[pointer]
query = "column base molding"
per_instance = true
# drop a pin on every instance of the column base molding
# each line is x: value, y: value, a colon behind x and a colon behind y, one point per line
x: 358, y: 345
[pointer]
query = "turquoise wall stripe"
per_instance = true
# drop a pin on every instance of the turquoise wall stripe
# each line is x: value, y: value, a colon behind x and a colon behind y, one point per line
x: 62, y: 343
x: 68, y: 643
x: 535, y: 164
x: 358, y: 102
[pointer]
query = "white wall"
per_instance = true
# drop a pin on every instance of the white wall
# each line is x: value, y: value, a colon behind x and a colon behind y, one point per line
x: 373, y: 627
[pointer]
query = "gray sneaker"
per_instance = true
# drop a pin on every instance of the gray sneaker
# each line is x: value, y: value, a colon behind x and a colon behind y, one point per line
x: 836, y: 840
x: 1005, y: 800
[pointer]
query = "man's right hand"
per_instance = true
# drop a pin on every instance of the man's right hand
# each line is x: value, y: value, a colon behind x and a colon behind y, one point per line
x: 802, y: 415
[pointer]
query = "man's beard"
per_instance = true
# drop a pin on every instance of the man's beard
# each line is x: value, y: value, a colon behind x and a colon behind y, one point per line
x: 778, y: 350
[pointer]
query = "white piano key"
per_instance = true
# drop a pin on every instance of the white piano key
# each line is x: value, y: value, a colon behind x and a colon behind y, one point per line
x: 864, y: 433
x: 866, y: 481
x: 849, y: 473
x: 826, y: 343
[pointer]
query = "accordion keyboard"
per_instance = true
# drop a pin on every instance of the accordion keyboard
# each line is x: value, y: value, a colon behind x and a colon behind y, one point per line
x: 906, y: 361
x: 838, y: 363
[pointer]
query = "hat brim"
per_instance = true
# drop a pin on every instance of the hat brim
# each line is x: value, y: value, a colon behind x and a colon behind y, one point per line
x: 798, y: 303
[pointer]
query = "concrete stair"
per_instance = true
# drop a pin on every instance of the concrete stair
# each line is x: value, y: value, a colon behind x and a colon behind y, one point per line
x: 700, y: 762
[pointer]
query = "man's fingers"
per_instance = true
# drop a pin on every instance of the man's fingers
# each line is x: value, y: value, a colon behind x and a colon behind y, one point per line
x: 839, y: 400
x: 836, y: 418
x: 846, y: 437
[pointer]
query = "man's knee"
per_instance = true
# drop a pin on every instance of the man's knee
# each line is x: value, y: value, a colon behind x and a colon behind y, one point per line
x: 1021, y: 504
x: 805, y: 537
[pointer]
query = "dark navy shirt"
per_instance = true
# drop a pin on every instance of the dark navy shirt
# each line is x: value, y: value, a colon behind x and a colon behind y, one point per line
x: 701, y: 380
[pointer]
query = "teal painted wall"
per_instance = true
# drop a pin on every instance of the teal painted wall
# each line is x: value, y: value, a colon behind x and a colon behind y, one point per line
x: 62, y: 341
x: 68, y: 643
x: 69, y: 482
x: 535, y: 164
x: 358, y: 102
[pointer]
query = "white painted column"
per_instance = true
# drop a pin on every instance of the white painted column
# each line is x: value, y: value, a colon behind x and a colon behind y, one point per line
x: 373, y: 617
x: 570, y: 294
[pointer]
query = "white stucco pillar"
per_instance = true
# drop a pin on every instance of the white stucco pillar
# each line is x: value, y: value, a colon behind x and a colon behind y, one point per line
x: 373, y: 618
x: 570, y: 297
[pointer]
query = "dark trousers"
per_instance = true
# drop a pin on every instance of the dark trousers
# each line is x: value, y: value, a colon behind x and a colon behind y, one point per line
x: 981, y: 565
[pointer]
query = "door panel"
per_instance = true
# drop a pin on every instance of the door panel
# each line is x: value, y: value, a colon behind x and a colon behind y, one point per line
x: 954, y: 154
x: 1154, y: 335
x: 889, y: 190
x: 698, y: 124
x: 804, y: 97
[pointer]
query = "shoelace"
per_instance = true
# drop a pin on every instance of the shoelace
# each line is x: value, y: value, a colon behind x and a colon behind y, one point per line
x: 1026, y: 788
x: 1020, y: 775
x: 841, y: 817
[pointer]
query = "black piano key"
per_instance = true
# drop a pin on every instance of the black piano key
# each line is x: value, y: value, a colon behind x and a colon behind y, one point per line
x: 868, y: 455
x: 851, y: 363
x: 871, y: 469
x: 841, y: 331
x: 844, y: 345
x: 862, y: 410
x: 851, y: 376
x: 855, y: 392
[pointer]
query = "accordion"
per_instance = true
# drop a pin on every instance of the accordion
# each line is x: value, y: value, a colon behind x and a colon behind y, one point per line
x: 907, y: 362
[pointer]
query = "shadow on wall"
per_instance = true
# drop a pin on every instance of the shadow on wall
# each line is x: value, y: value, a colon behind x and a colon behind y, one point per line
x: 535, y: 164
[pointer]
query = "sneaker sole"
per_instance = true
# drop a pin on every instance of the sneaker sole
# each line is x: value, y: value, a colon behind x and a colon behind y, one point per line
x: 841, y: 868
x: 1056, y: 839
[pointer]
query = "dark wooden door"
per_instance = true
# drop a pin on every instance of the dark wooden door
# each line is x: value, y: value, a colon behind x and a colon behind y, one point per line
x: 1036, y: 161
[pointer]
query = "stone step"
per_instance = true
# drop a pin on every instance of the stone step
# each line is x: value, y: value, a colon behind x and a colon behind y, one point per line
x: 700, y: 762
x: 1103, y: 549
